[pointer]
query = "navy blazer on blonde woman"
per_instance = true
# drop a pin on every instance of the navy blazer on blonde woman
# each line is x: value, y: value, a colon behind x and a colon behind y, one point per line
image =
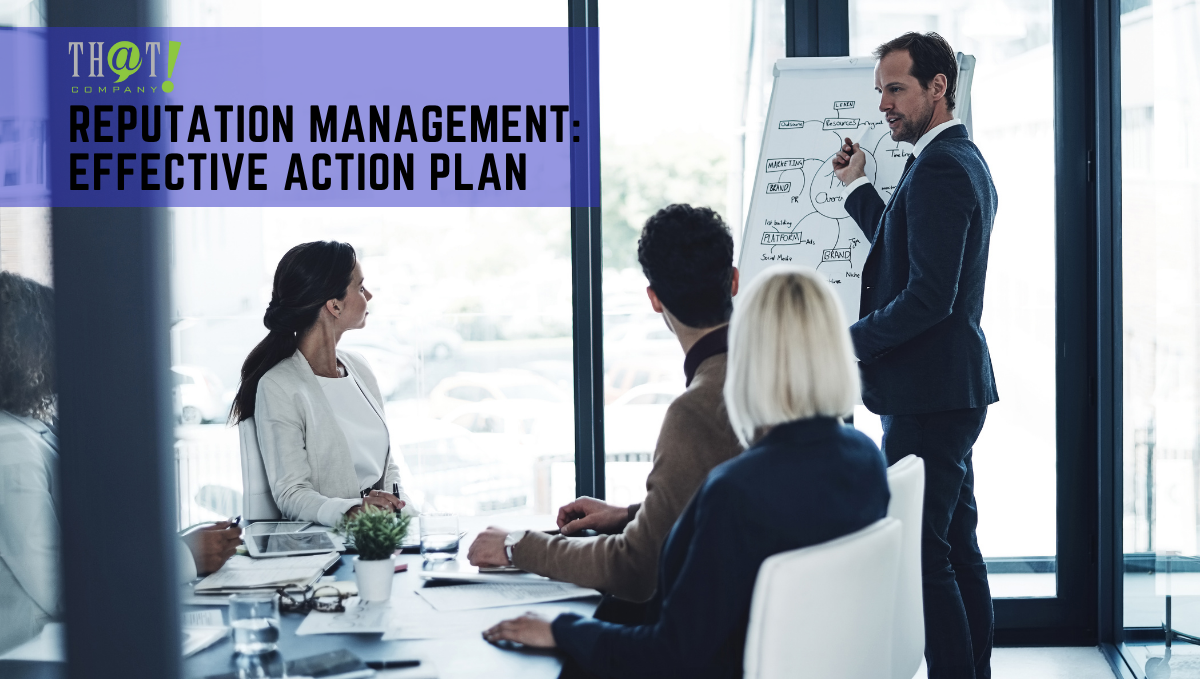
x: 804, y: 483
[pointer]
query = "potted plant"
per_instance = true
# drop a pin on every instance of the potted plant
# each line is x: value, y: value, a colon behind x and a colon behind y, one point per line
x: 375, y: 533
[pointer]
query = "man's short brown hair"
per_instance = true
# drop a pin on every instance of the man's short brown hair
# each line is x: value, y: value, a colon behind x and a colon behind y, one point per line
x: 931, y: 55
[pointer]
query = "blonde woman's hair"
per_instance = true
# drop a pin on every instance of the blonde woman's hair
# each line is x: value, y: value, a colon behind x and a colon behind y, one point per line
x: 790, y: 356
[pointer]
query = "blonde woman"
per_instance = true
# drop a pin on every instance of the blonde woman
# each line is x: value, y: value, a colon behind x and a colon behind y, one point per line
x: 805, y: 478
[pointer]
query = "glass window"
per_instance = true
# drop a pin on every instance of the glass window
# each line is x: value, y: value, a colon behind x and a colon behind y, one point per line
x: 468, y: 393
x: 469, y: 335
x: 24, y: 231
x: 1011, y: 41
x: 1160, y: 159
x: 682, y: 113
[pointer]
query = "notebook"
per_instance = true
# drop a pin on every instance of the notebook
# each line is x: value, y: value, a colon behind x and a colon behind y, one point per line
x: 241, y: 573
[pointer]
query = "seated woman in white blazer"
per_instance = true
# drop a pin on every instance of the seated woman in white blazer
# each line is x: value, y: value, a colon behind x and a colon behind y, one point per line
x: 318, y: 410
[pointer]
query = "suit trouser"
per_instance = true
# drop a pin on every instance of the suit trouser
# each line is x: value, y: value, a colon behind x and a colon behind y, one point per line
x: 958, y: 601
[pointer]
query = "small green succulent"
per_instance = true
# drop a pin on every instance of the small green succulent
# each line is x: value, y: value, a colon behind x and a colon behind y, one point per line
x: 375, y: 532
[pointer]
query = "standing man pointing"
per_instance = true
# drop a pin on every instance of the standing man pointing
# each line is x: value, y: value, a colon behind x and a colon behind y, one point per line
x: 923, y: 357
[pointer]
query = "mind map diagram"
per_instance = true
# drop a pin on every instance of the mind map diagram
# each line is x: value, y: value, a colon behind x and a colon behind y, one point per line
x: 799, y: 214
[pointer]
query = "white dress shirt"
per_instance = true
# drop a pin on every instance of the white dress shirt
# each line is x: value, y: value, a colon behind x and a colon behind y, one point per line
x: 920, y: 146
x: 364, y: 430
x: 29, y: 563
x: 306, y: 454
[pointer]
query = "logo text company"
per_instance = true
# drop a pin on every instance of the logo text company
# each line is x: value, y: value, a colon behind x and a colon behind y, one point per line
x: 124, y: 59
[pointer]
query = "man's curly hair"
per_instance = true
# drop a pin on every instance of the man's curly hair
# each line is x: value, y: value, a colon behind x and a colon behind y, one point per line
x: 687, y: 255
x: 26, y: 347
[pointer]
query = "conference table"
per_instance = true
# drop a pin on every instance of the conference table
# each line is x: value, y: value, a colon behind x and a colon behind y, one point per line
x: 457, y: 651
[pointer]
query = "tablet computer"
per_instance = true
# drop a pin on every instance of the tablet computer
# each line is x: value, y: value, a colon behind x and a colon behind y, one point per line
x: 288, y: 544
x: 265, y: 527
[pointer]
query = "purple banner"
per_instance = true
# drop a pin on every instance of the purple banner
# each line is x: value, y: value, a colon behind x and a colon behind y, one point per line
x: 304, y: 116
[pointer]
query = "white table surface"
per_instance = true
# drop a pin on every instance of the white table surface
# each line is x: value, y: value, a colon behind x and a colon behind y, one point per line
x: 464, y: 655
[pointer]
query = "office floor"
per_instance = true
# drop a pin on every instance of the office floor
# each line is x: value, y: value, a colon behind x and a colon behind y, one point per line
x: 1046, y: 663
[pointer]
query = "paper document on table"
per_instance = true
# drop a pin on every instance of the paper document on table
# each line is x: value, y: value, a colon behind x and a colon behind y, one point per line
x: 196, y: 639
x: 420, y: 621
x: 48, y: 646
x: 202, y: 629
x: 358, y: 618
x: 242, y: 572
x: 210, y: 617
x: 492, y: 595
x: 463, y: 573
x: 442, y: 629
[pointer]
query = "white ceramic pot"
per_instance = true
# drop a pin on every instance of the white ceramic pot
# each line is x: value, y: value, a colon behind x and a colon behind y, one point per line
x: 374, y: 578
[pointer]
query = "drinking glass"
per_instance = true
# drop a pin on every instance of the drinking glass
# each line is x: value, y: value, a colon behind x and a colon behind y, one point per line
x: 255, y: 622
x: 439, y: 536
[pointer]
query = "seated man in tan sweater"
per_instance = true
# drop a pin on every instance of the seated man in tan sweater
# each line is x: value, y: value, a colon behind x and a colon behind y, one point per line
x: 687, y: 256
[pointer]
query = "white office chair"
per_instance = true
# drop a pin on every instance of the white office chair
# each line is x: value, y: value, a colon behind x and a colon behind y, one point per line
x: 257, y: 502
x: 826, y: 610
x: 906, y: 480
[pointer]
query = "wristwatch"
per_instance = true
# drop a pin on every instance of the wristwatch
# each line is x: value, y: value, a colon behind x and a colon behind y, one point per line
x: 510, y: 541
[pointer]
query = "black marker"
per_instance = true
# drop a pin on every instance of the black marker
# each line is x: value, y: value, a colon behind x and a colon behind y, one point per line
x: 396, y: 491
x: 392, y: 664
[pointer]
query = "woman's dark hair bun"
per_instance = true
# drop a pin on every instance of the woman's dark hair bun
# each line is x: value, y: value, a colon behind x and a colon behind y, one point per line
x: 279, y: 318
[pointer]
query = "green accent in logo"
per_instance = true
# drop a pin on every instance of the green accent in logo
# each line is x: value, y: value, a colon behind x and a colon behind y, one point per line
x: 124, y: 59
x: 172, y: 55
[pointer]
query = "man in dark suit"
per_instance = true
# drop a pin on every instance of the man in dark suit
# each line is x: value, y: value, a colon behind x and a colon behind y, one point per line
x: 923, y: 357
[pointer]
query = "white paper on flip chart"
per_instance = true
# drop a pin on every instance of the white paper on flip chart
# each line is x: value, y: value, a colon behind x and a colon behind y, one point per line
x: 242, y: 572
x: 797, y: 208
x: 492, y: 595
x: 358, y: 618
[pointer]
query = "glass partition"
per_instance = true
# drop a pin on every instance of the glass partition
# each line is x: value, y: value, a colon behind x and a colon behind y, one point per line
x: 683, y: 113
x: 30, y: 572
x: 470, y: 328
x: 1160, y: 86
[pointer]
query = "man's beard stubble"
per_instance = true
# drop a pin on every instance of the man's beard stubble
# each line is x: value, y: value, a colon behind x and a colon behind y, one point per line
x: 910, y: 131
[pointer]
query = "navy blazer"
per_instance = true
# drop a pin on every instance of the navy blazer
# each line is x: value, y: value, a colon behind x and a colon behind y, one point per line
x: 918, y: 340
x: 804, y: 483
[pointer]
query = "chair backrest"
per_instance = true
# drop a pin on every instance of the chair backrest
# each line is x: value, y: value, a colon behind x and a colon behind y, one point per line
x: 257, y: 502
x: 906, y: 480
x: 826, y: 610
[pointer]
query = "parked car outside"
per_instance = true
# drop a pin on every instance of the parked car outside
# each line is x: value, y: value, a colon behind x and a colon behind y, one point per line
x: 632, y: 422
x: 433, y: 342
x: 636, y: 371
x: 466, y: 388
x: 394, y: 364
x: 646, y: 337
x: 446, y: 468
x: 198, y: 395
x: 518, y: 428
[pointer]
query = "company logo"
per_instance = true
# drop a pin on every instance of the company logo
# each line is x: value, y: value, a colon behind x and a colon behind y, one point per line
x: 124, y: 59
